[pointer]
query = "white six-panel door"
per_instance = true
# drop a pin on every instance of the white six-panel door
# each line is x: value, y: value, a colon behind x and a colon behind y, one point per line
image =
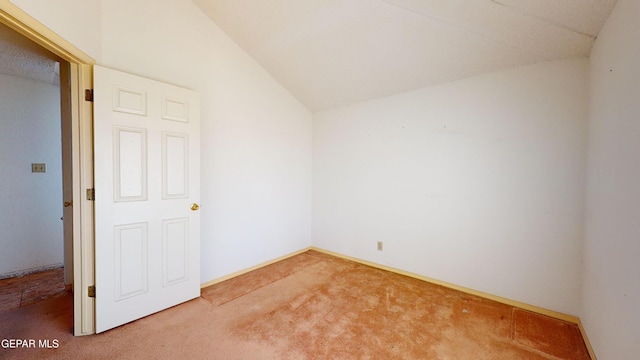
x: 147, y: 171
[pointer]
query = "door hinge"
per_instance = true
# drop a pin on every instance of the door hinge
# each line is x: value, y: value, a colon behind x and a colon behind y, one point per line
x: 88, y: 94
x: 92, y: 291
x: 91, y: 194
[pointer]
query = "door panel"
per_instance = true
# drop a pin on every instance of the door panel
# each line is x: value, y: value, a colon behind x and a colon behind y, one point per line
x: 146, y: 179
x: 175, y: 241
x: 175, y: 166
x: 130, y: 164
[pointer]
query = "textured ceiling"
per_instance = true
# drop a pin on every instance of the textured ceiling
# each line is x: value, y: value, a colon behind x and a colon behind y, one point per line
x: 23, y: 58
x: 335, y: 52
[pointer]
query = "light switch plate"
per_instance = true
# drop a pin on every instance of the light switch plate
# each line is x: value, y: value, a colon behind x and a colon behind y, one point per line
x: 38, y: 168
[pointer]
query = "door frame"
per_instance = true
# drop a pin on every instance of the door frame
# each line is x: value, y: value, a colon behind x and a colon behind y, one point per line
x: 81, y: 67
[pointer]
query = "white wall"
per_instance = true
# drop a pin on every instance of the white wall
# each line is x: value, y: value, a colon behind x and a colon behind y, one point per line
x: 612, y: 247
x: 478, y: 182
x: 76, y: 21
x: 256, y: 137
x: 30, y: 228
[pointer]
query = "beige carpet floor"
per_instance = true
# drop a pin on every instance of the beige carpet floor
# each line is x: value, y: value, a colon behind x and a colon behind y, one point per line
x: 310, y: 306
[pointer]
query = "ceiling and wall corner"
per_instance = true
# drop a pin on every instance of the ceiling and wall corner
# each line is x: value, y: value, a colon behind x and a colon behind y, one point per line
x: 611, y: 289
x: 23, y: 58
x: 333, y: 53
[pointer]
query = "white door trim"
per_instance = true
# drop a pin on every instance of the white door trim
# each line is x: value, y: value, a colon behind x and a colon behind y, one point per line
x: 82, y: 121
x: 83, y: 221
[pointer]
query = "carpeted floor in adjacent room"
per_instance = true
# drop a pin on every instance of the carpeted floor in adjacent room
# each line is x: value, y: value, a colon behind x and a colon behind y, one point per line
x: 310, y: 306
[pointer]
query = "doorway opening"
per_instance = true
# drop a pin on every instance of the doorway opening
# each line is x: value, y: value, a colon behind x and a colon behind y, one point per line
x: 75, y: 122
x: 35, y: 148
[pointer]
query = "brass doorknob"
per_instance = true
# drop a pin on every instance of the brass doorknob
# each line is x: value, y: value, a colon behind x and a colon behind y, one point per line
x: 195, y: 206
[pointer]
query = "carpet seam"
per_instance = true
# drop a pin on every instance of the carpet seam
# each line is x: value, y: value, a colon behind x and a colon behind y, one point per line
x: 265, y: 285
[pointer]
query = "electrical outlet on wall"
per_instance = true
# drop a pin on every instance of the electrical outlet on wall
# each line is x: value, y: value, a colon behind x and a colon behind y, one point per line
x: 38, y: 168
x: 379, y: 245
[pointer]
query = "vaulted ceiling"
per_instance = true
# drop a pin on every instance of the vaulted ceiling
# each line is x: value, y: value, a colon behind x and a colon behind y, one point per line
x: 335, y: 52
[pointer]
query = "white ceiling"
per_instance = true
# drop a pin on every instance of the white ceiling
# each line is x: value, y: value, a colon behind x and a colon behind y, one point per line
x: 23, y: 58
x: 336, y: 52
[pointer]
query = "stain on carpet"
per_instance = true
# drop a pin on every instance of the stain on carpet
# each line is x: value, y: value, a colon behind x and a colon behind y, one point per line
x: 359, y: 312
x: 236, y: 287
x: 550, y: 336
x: 310, y: 306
